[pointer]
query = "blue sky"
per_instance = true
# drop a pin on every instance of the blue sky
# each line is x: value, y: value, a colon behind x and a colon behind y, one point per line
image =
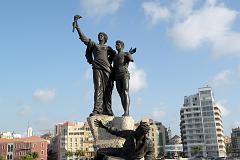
x: 181, y: 45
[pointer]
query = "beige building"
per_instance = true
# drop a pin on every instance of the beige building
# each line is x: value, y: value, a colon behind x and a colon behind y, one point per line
x: 71, y: 137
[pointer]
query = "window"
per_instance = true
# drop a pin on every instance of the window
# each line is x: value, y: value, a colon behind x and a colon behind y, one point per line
x: 42, y: 144
x: 42, y: 152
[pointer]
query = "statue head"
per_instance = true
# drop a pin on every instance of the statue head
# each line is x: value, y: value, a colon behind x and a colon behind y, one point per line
x: 143, y: 128
x: 102, y: 37
x: 119, y: 45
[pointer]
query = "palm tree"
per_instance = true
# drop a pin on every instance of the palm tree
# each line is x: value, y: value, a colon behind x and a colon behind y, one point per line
x: 79, y: 153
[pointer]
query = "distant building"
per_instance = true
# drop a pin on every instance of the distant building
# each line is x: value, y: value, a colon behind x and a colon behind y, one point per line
x: 235, y: 138
x: 9, y: 135
x: 201, y: 125
x: 29, y: 132
x: 175, y: 140
x: 174, y: 148
x: 169, y: 133
x: 71, y: 137
x: 13, y: 149
x: 159, y: 135
x: 228, y: 144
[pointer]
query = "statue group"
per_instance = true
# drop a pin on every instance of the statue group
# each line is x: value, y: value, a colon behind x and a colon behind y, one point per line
x: 111, y: 66
x: 101, y: 57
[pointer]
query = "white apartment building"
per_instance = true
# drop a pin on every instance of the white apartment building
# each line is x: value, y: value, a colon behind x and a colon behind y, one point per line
x: 71, y: 137
x: 201, y: 125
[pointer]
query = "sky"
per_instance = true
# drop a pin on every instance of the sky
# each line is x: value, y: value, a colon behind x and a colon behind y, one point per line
x: 182, y: 45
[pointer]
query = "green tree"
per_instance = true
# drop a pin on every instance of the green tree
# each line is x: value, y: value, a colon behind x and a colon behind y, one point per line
x: 26, y: 157
x: 30, y: 156
x: 34, y: 155
x: 79, y: 153
x: 196, y: 150
x: 2, y: 157
x: 228, y: 149
x: 69, y: 154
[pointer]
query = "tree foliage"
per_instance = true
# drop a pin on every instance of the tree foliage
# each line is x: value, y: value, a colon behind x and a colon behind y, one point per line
x: 30, y: 156
x: 79, y: 153
x: 69, y: 154
x: 196, y: 150
x: 2, y: 157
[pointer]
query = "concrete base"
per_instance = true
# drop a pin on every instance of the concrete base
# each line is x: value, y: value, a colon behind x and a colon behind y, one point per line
x: 104, y: 139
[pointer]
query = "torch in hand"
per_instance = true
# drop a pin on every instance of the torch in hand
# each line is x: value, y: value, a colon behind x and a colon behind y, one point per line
x: 75, y: 19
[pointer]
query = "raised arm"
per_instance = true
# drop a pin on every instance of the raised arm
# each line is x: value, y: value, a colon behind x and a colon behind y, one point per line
x: 128, y: 56
x: 82, y: 36
x: 113, y: 130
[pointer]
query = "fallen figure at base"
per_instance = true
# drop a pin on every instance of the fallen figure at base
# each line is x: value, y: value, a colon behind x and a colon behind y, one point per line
x: 137, y: 145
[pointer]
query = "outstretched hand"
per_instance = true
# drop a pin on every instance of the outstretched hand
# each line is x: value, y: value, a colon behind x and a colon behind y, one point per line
x: 98, y: 123
x: 75, y: 24
x: 132, y: 51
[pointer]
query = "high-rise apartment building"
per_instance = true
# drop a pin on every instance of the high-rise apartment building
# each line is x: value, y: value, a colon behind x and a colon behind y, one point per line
x: 201, y: 125
x: 235, y: 138
x: 70, y: 137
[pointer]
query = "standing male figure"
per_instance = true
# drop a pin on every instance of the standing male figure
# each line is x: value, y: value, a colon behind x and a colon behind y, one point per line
x: 121, y: 74
x: 101, y: 57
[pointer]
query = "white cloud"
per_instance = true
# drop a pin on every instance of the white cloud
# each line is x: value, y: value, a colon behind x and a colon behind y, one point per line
x: 209, y: 24
x: 227, y: 44
x: 222, y: 78
x: 25, y: 110
x: 223, y: 108
x: 100, y: 7
x: 45, y: 96
x: 184, y: 8
x: 138, y: 78
x: 158, y: 114
x: 155, y: 12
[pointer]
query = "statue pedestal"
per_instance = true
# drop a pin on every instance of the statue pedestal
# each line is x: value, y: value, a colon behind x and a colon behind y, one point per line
x: 104, y: 139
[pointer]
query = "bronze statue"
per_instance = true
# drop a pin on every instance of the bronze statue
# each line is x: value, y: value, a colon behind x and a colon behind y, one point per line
x: 100, y: 56
x: 121, y: 74
x: 136, y: 146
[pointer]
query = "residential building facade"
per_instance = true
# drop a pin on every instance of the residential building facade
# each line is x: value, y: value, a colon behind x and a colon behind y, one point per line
x: 235, y: 138
x: 72, y: 137
x: 201, y: 125
x: 13, y: 149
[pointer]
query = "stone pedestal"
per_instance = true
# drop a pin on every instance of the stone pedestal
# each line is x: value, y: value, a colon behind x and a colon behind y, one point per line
x: 104, y: 139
